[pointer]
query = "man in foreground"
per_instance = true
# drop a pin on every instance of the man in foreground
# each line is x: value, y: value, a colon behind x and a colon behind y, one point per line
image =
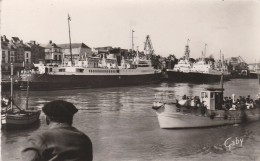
x: 62, y: 141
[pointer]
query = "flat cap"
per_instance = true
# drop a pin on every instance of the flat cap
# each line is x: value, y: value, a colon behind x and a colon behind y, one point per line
x: 59, y: 108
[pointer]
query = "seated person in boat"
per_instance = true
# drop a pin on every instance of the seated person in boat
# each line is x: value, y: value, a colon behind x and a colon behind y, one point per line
x: 226, y: 104
x: 248, y: 99
x: 184, y: 97
x: 250, y: 104
x: 243, y: 100
x: 197, y: 101
x: 230, y: 101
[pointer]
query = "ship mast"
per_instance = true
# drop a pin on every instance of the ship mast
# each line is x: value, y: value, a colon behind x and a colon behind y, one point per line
x: 204, y: 55
x: 70, y: 38
x: 222, y: 72
x: 259, y: 71
x: 27, y: 92
x: 11, y: 77
x: 187, y: 50
x: 133, y: 41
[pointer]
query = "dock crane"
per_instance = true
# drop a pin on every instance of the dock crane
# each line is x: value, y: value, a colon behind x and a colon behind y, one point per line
x: 239, y: 67
x: 148, y: 46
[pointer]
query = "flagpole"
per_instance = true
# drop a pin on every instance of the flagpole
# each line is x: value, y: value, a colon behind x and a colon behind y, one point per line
x: 70, y: 38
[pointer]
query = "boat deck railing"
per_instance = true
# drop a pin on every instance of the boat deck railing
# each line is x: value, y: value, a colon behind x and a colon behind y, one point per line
x: 164, y: 97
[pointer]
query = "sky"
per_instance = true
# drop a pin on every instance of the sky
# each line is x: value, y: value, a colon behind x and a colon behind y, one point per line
x: 232, y: 26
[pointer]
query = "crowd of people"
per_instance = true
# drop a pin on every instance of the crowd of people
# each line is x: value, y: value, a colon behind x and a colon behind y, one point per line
x: 241, y: 103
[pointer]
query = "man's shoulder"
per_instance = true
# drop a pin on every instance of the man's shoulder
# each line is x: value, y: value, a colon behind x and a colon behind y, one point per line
x: 63, y: 131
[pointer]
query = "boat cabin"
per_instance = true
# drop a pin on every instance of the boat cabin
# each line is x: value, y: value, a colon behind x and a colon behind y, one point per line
x: 212, y: 98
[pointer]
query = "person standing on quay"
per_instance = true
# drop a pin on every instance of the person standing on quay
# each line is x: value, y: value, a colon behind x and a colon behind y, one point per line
x: 62, y: 141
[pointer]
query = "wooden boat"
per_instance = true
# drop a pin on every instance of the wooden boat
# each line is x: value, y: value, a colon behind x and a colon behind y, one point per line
x: 16, y: 117
x: 208, y: 109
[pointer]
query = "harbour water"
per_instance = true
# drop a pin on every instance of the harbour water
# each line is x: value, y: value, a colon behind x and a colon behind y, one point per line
x: 123, y: 126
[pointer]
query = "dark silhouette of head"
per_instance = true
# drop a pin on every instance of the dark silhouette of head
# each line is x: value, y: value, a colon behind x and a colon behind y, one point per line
x: 59, y: 111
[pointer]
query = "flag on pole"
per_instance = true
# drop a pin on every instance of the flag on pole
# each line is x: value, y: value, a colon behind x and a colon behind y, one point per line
x: 69, y: 17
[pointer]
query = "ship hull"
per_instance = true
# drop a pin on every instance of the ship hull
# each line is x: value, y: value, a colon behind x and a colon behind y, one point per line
x: 6, y: 85
x: 168, y: 117
x: 57, y: 82
x: 253, y: 75
x: 194, y: 77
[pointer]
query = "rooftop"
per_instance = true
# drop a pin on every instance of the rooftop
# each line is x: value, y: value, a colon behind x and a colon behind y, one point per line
x: 73, y: 45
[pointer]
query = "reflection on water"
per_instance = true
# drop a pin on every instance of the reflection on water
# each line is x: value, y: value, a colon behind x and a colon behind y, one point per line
x: 123, y: 126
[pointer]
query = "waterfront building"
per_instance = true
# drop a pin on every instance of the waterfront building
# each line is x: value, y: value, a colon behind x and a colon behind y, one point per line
x: 20, y: 49
x: 27, y: 56
x: 16, y: 52
x: 105, y: 49
x: 80, y: 51
x: 8, y: 53
x: 11, y: 53
x: 52, y: 53
x: 37, y: 52
x: 5, y: 49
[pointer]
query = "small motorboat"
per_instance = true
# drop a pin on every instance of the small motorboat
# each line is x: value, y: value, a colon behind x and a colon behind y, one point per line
x: 208, y: 109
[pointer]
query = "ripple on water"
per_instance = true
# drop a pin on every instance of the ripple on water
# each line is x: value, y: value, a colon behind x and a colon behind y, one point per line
x: 122, y: 125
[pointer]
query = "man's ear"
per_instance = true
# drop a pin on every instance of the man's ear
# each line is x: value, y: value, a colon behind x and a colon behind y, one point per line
x: 47, y: 120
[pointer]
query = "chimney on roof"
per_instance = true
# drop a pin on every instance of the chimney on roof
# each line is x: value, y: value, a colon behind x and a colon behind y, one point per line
x: 32, y: 42
x: 4, y: 38
x: 50, y: 42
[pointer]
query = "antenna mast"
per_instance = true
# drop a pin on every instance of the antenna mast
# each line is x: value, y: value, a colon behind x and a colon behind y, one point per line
x: 69, y: 19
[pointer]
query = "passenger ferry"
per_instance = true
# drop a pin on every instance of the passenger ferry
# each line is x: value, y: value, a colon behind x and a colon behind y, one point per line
x: 90, y: 73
